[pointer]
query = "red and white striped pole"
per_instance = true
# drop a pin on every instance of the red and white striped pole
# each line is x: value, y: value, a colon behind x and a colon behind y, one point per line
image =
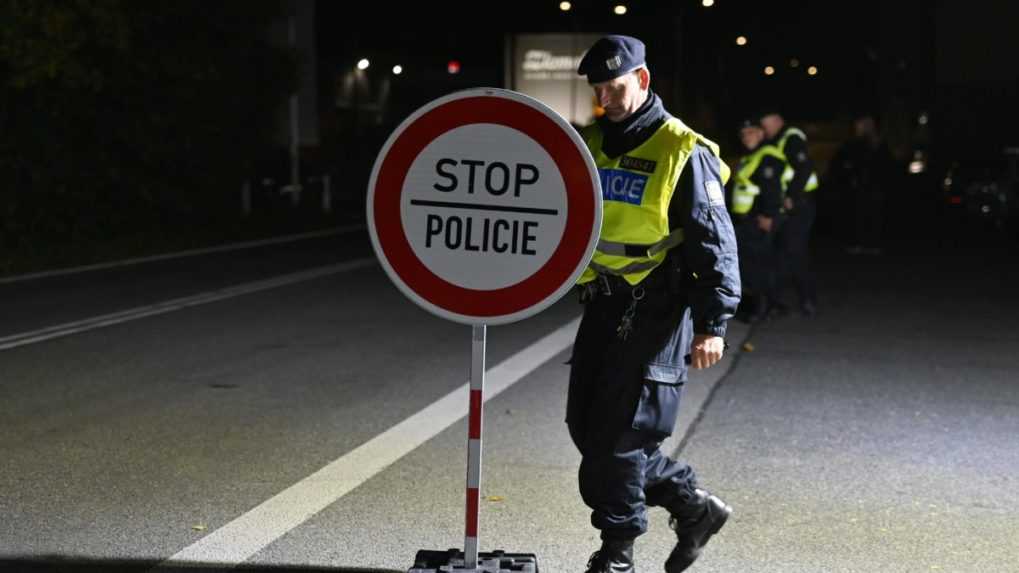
x: 477, y: 387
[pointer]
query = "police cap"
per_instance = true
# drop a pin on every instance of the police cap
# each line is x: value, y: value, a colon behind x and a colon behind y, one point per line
x: 611, y: 57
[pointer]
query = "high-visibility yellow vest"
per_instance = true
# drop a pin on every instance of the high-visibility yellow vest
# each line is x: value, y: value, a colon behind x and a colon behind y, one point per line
x: 637, y: 188
x: 788, y: 173
x: 745, y: 191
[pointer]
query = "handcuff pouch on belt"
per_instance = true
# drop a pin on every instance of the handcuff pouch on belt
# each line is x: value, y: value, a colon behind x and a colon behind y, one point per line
x: 600, y: 286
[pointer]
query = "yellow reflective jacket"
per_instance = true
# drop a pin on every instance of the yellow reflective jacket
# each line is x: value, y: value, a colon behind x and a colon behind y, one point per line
x: 637, y: 188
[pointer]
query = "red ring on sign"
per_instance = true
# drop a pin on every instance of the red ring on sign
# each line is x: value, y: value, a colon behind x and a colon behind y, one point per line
x: 513, y: 298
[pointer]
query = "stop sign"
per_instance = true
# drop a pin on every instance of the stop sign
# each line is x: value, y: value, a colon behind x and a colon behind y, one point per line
x: 484, y: 206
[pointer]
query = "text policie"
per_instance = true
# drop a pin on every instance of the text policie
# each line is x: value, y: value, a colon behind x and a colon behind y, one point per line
x: 484, y: 233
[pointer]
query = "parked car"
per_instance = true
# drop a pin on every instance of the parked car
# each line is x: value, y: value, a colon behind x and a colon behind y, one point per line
x: 981, y: 195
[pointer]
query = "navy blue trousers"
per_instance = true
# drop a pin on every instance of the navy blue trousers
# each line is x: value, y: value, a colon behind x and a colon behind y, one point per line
x: 623, y: 402
x: 757, y: 260
x: 794, y: 251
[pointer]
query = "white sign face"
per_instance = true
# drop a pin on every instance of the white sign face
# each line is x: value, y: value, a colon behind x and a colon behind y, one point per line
x: 484, y: 206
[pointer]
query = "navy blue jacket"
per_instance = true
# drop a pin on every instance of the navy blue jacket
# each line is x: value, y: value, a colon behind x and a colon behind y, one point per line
x: 708, y: 253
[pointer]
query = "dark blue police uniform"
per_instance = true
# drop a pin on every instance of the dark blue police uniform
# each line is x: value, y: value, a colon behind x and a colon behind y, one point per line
x: 624, y: 394
x: 794, y: 236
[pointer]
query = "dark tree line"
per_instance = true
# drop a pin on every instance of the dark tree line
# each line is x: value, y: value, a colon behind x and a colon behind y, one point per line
x: 119, y: 115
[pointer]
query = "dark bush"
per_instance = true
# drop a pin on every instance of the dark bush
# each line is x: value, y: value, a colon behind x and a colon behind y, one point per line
x: 118, y: 116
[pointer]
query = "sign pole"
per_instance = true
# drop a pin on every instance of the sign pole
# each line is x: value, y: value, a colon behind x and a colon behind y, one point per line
x: 477, y: 387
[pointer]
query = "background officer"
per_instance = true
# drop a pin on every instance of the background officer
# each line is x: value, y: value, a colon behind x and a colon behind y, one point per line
x: 801, y: 183
x: 658, y: 292
x: 756, y: 204
x: 863, y: 170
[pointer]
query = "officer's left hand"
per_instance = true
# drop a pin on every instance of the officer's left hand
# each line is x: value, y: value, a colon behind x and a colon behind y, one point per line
x: 788, y: 204
x: 706, y: 350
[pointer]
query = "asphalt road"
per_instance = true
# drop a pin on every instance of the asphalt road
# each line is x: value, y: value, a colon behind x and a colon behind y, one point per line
x: 879, y: 436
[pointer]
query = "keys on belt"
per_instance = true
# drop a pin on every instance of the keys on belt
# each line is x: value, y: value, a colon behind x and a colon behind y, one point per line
x: 626, y: 323
x: 607, y: 285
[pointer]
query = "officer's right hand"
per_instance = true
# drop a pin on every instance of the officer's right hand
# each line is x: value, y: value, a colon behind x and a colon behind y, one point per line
x: 765, y: 223
x: 788, y: 204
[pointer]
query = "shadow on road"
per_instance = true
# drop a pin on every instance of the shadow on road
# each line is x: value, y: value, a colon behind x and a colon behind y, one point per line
x: 58, y: 564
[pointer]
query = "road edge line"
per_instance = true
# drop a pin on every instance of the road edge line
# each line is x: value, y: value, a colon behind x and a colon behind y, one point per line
x: 183, y: 254
x: 102, y: 321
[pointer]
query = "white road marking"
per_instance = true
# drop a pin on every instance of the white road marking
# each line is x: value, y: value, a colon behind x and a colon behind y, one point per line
x: 248, y: 534
x: 66, y: 329
x: 183, y: 254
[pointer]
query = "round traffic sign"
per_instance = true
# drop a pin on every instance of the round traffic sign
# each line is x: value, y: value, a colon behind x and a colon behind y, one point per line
x: 484, y: 206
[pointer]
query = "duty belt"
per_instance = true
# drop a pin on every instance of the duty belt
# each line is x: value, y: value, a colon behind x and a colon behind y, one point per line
x: 609, y: 285
x: 610, y: 280
x: 602, y: 285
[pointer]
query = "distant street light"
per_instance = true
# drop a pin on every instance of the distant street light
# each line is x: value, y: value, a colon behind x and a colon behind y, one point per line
x: 620, y: 9
x: 453, y: 67
x: 363, y: 64
x: 565, y: 6
x: 769, y: 71
x: 708, y: 3
x: 741, y: 41
x: 397, y: 70
x: 812, y: 70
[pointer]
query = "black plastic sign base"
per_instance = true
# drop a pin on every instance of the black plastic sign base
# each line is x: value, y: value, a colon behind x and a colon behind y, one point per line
x: 452, y: 560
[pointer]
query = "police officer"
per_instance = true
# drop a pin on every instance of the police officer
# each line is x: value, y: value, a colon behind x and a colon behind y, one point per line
x: 756, y: 204
x: 862, y: 168
x: 658, y: 292
x: 800, y: 182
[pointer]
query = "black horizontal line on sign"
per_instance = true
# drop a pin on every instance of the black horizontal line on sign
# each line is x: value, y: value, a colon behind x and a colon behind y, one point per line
x: 477, y: 207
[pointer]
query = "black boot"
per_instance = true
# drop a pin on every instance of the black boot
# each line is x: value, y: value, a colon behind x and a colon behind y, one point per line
x: 615, y: 556
x: 694, y: 523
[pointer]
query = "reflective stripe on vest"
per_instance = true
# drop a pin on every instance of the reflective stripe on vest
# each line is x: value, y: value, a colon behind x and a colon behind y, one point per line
x: 636, y: 267
x: 637, y: 188
x: 788, y: 174
x: 674, y: 239
x: 744, y: 191
x: 787, y: 177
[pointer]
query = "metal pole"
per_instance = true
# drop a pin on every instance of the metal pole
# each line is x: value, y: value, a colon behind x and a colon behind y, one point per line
x: 477, y: 401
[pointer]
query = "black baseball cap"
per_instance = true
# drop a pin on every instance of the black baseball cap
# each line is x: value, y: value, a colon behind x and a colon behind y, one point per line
x: 611, y: 57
